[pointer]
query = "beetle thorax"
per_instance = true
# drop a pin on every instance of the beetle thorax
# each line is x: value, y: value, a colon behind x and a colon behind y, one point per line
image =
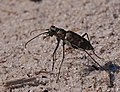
x: 61, y: 34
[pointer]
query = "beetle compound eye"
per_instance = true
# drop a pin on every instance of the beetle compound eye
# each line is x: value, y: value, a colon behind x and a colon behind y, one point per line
x: 53, y: 28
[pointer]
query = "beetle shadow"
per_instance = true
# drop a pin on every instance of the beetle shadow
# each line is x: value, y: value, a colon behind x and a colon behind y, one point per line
x: 110, y: 67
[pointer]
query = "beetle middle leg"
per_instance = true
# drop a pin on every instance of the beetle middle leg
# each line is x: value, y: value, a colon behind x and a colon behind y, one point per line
x: 58, y: 42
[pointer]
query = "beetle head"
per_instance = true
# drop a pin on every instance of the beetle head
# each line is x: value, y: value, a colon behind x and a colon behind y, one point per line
x: 52, y: 30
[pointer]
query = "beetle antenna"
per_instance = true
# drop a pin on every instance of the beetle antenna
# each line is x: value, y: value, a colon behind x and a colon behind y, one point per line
x: 34, y: 38
x: 37, y: 30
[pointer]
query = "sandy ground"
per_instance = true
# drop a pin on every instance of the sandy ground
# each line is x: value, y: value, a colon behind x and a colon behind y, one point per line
x: 29, y: 69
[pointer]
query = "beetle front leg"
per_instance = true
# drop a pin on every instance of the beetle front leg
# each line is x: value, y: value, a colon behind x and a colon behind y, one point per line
x: 58, y: 42
x: 63, y: 56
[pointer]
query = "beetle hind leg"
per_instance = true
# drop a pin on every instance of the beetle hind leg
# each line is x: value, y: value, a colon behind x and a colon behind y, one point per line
x: 97, y: 55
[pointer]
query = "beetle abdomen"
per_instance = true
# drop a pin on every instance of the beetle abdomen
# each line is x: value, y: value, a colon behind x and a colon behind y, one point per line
x: 77, y: 42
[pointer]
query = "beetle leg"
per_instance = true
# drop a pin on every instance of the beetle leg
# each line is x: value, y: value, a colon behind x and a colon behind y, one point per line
x: 95, y: 60
x: 87, y: 36
x: 63, y: 56
x: 97, y: 55
x: 93, y: 50
x: 58, y: 42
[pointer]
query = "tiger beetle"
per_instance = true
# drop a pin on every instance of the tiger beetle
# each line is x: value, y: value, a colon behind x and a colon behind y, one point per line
x: 70, y: 38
